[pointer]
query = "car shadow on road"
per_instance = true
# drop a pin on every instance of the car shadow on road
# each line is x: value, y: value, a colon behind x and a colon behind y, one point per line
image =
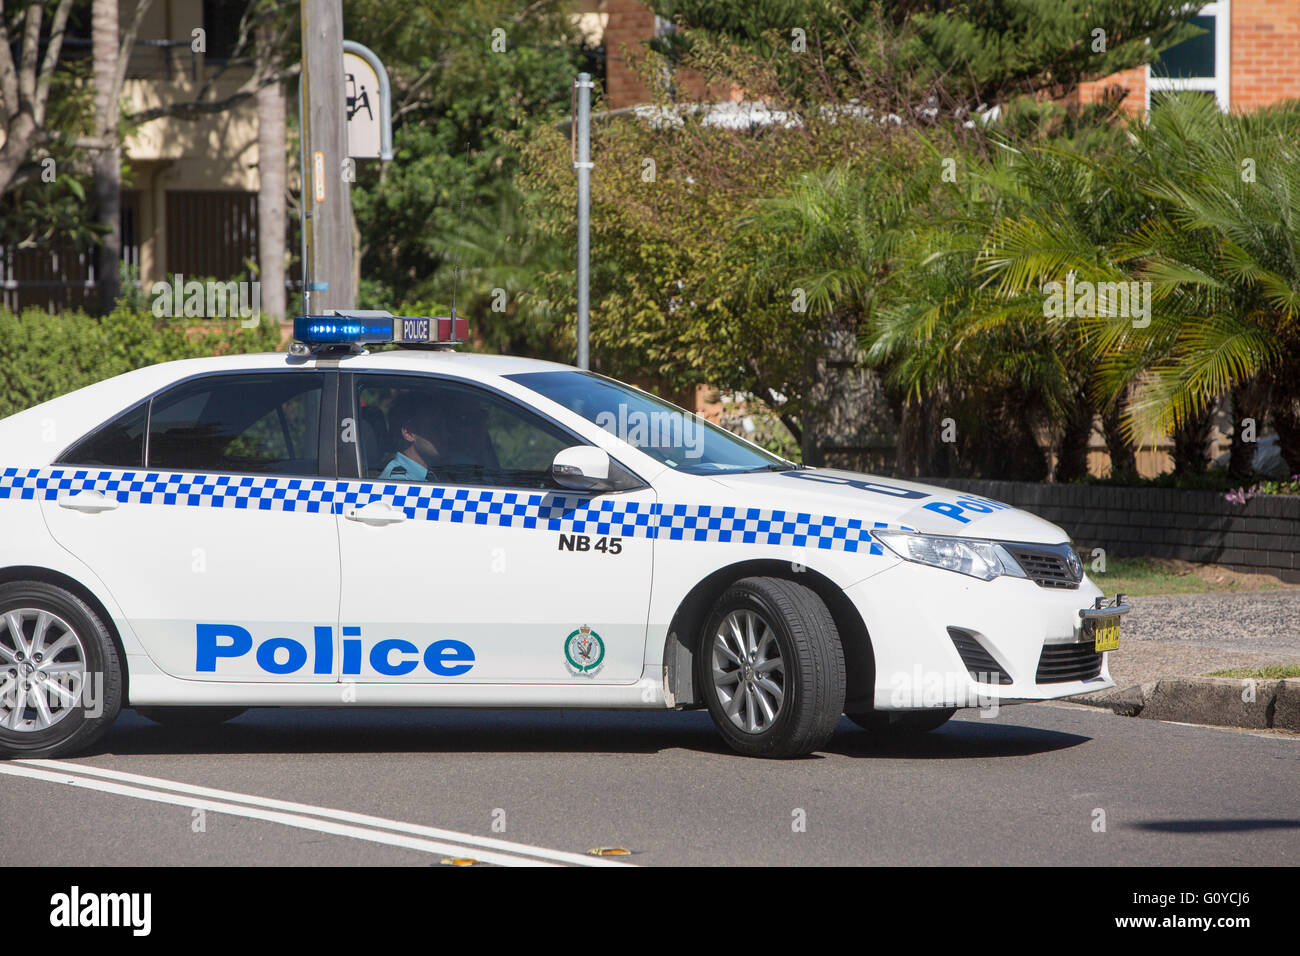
x: 418, y: 730
x: 422, y: 730
x: 955, y: 740
x: 1212, y: 826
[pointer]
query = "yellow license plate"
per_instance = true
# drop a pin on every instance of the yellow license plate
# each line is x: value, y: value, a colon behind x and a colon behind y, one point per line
x: 1106, y: 634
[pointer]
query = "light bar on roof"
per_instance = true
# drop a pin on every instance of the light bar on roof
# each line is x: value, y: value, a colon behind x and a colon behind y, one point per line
x: 378, y: 327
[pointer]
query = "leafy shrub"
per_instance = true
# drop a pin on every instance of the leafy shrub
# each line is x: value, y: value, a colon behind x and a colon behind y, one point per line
x: 44, y: 356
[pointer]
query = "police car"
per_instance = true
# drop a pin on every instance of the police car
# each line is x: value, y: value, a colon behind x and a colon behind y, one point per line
x: 337, y: 527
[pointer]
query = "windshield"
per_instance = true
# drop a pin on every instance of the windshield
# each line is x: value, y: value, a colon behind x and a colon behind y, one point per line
x: 661, y: 430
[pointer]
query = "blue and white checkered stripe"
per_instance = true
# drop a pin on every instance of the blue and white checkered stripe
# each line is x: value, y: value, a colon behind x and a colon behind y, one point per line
x: 571, y: 514
x: 248, y: 492
x: 759, y: 526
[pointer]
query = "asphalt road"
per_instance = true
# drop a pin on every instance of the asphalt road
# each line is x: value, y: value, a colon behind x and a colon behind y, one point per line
x: 1029, y: 787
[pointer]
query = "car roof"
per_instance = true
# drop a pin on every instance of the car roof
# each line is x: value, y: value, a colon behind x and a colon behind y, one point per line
x: 474, y: 365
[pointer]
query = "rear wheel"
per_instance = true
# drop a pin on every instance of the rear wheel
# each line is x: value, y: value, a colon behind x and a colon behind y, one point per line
x: 902, y: 723
x: 771, y: 668
x: 190, y: 716
x: 60, y: 675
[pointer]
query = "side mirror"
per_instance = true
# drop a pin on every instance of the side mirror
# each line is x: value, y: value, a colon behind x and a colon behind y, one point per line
x: 583, y: 468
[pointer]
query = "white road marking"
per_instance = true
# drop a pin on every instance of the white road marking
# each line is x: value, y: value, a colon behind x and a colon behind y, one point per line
x: 358, y: 826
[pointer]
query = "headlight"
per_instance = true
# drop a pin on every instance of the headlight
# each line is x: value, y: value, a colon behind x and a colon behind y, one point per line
x: 980, y: 559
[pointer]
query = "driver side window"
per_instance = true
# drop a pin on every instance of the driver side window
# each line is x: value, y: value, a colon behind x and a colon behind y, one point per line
x: 413, y: 428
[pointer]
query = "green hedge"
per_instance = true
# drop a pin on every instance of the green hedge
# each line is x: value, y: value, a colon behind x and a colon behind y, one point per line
x: 43, y: 356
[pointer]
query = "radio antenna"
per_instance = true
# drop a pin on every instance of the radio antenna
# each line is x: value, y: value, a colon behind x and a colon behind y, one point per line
x: 460, y: 227
x: 455, y: 268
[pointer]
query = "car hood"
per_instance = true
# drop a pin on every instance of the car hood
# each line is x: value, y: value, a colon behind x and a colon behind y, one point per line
x: 892, y: 502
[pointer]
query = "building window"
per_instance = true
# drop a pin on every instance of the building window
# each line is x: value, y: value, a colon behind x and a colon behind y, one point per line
x: 221, y: 19
x: 1199, y: 64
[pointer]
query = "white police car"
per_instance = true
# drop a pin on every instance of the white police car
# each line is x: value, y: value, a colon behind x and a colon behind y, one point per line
x: 421, y: 527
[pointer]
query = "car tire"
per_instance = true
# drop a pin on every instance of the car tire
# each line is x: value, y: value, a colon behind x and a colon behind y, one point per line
x: 769, y: 641
x: 902, y: 723
x: 39, y: 688
x: 190, y: 716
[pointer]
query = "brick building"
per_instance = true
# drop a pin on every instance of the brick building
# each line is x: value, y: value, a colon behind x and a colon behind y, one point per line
x: 1245, y: 60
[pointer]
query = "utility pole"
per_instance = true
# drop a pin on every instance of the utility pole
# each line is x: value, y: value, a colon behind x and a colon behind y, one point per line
x: 326, y: 192
x: 582, y: 163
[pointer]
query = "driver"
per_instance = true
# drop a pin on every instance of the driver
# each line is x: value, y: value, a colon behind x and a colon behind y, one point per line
x: 417, y: 434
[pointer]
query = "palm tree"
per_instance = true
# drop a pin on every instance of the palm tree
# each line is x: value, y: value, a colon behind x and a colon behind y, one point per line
x: 896, y: 254
x: 971, y: 316
x: 108, y: 161
x: 272, y: 173
x: 1221, y: 248
x: 823, y: 251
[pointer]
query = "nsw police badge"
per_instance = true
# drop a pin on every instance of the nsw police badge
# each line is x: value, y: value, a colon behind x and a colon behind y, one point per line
x: 584, y: 651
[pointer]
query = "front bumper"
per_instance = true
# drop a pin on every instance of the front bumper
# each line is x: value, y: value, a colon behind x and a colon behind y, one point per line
x: 918, y: 617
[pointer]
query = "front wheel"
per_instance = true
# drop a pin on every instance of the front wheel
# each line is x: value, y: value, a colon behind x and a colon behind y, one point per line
x: 771, y: 668
x: 902, y: 723
x: 60, y: 675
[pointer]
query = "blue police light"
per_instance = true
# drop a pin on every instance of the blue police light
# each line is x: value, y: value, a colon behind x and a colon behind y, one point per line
x: 342, y: 330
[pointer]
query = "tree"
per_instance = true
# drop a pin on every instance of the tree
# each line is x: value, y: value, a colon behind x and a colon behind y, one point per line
x: 1221, y: 250
x: 48, y: 117
x: 682, y: 295
x: 972, y: 54
x: 447, y: 213
x: 680, y: 302
x: 272, y: 175
x: 108, y: 55
x: 1200, y: 204
x: 26, y: 84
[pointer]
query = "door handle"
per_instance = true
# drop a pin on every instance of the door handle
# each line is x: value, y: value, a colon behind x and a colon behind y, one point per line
x: 90, y: 502
x: 375, y: 513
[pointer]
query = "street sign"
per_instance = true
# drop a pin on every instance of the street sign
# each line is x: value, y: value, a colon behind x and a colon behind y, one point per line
x: 318, y: 176
x: 365, y: 117
x: 368, y: 103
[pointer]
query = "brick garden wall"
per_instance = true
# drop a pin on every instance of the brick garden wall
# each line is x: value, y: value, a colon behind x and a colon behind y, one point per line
x: 1261, y: 535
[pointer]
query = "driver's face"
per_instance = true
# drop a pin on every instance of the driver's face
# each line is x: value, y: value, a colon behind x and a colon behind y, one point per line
x: 423, y: 435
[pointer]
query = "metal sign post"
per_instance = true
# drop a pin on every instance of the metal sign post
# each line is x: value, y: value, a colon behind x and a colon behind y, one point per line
x: 582, y: 163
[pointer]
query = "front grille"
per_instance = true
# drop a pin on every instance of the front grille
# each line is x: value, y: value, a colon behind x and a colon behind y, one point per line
x: 1063, y: 663
x: 979, y: 662
x: 1048, y: 566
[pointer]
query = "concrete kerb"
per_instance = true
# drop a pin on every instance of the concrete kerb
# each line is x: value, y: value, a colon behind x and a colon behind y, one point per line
x: 1216, y: 701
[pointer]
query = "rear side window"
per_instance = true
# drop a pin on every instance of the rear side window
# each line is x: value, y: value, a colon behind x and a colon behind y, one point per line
x: 267, y: 423
x: 119, y: 444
